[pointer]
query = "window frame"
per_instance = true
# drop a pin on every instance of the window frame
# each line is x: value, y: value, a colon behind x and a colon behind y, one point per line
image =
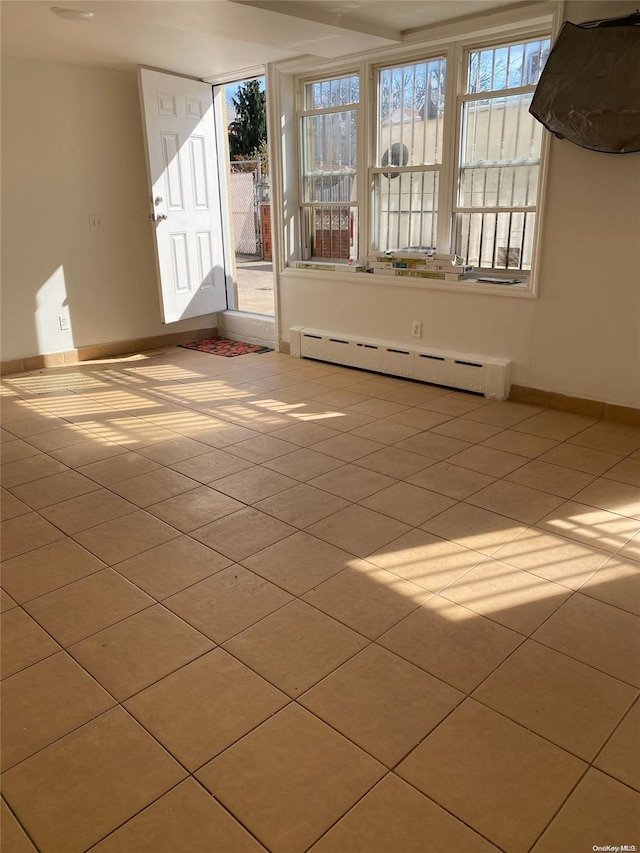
x: 543, y: 20
x: 305, y: 208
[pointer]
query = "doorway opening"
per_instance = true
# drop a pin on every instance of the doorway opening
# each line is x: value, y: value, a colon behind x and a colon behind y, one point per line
x: 249, y: 199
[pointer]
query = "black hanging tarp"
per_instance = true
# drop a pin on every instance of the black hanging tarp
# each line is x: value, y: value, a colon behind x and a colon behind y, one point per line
x: 589, y: 91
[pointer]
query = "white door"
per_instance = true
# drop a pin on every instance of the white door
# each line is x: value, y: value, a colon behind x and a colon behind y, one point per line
x: 185, y: 175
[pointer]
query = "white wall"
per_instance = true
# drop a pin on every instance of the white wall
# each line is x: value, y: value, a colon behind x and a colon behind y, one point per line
x: 71, y: 147
x: 580, y: 337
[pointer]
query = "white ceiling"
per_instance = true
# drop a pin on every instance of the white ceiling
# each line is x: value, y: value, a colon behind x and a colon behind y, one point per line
x: 207, y: 38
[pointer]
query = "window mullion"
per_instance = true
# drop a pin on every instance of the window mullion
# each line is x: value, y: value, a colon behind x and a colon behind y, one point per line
x: 447, y: 185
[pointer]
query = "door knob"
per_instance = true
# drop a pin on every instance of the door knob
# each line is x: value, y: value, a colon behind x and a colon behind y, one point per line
x: 160, y: 217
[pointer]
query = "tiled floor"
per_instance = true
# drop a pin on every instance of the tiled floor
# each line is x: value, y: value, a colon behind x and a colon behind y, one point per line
x: 262, y: 603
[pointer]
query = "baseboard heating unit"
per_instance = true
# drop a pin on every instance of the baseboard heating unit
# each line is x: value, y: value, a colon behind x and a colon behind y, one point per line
x: 464, y: 371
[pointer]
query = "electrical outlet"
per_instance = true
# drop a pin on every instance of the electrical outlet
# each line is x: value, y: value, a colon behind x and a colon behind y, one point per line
x: 95, y: 222
x: 416, y: 329
x: 64, y: 322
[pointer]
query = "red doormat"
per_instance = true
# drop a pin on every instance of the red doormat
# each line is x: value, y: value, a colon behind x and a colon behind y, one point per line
x: 224, y: 347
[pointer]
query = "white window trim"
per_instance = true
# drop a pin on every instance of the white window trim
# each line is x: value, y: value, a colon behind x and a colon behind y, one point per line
x: 451, y: 40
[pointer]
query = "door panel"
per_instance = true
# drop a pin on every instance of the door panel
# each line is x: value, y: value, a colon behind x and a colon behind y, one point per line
x: 184, y: 179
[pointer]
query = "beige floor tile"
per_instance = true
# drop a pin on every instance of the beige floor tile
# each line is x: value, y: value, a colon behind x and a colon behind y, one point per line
x: 600, y: 807
x: 552, y: 557
x: 141, y: 649
x: 52, y: 490
x: 25, y: 533
x: 171, y: 567
x: 227, y: 603
x: 302, y: 505
x: 174, y: 450
x: 627, y: 471
x: 347, y: 447
x: 23, y: 642
x: 553, y: 479
x: 412, y: 394
x: 210, y: 466
x: 304, y: 434
x: 617, y: 582
x: 437, y: 447
x: 14, y: 838
x: 487, y: 460
x: 205, y: 706
x: 596, y: 527
x: 45, y: 569
x: 125, y: 537
x: 420, y: 417
x: 90, y: 604
x: 303, y: 464
x: 366, y: 598
x: 45, y: 702
x: 86, y: 511
x: 504, y: 414
x: 451, y: 643
x: 377, y: 408
x: 158, y: 485
x: 596, y: 634
x: 466, y: 430
x: 11, y: 507
x: 620, y: 498
x: 187, y: 818
x: 291, y: 779
x: 386, y: 432
x: 572, y: 705
x: 221, y: 433
x: 358, y: 530
x: 86, y: 452
x: 295, y: 647
x: 427, y: 560
x: 520, y: 443
x: 194, y: 508
x: 6, y: 602
x: 352, y: 482
x: 262, y: 448
x: 619, y: 758
x: 243, y: 533
x: 580, y: 458
x: 631, y: 550
x: 29, y: 469
x: 394, y: 462
x: 382, y: 703
x: 254, y: 484
x: 452, y: 405
x: 57, y: 438
x: 394, y: 816
x: 340, y: 398
x: 14, y: 449
x: 513, y: 597
x: 554, y: 424
x: 450, y: 480
x: 515, y: 501
x: 299, y: 562
x: 89, y: 782
x: 474, y: 528
x: 493, y: 774
x: 337, y: 419
x: 118, y: 468
x: 410, y: 504
x: 608, y: 441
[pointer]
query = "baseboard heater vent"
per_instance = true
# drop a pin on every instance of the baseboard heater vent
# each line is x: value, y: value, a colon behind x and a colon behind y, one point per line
x: 466, y: 371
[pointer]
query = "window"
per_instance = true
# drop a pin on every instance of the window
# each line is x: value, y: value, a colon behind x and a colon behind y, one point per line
x: 499, y: 163
x: 449, y: 156
x: 409, y: 155
x: 329, y: 167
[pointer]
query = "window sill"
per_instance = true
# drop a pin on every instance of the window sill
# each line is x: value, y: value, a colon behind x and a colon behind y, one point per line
x: 513, y: 291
